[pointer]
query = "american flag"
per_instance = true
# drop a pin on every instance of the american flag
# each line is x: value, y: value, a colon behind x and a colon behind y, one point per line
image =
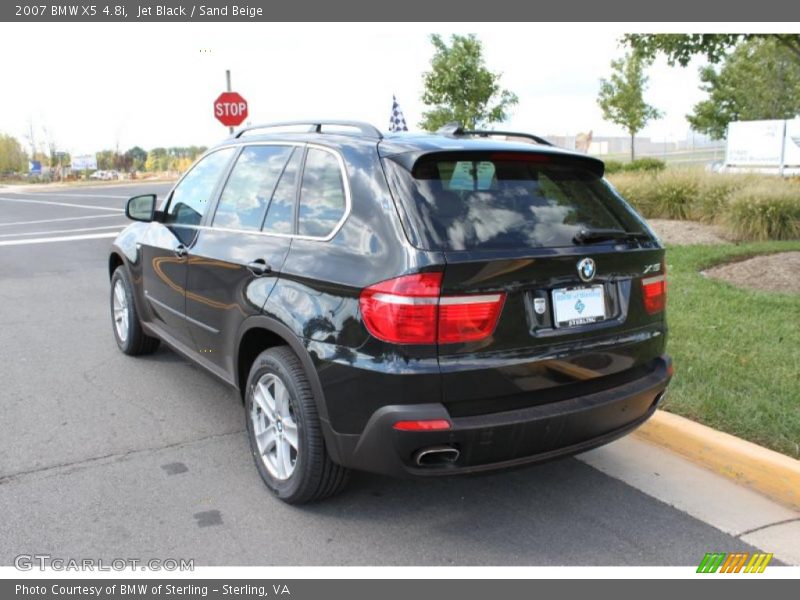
x: 397, y: 122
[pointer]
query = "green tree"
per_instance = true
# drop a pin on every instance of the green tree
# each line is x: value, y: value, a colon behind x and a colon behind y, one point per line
x: 157, y: 160
x: 460, y: 88
x: 151, y: 164
x: 59, y: 158
x: 192, y: 152
x: 759, y: 80
x: 106, y: 160
x: 137, y: 157
x: 123, y: 162
x: 12, y: 157
x: 621, y: 98
x: 680, y: 48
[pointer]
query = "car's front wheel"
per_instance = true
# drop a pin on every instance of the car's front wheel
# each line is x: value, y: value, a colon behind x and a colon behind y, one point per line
x: 128, y: 332
x: 284, y: 430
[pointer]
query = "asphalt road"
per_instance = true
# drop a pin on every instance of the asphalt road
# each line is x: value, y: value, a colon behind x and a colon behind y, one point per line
x: 103, y: 455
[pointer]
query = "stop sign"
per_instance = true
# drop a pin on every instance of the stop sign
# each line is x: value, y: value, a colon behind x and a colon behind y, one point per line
x: 230, y: 109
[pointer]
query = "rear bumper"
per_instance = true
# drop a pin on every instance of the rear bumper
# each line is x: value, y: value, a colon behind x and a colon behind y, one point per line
x: 506, y: 439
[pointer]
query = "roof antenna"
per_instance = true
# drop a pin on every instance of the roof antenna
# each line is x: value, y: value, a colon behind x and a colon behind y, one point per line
x: 452, y: 128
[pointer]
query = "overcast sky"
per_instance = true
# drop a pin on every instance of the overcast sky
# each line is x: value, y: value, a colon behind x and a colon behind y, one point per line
x: 95, y: 86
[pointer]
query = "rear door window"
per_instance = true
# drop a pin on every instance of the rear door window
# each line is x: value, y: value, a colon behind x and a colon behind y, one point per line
x: 322, y: 197
x: 494, y: 201
x: 280, y: 216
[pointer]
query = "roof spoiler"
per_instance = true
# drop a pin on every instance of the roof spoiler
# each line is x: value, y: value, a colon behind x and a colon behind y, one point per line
x: 411, y: 160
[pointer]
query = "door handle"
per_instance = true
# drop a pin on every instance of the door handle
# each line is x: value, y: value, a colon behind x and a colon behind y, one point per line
x: 259, y: 267
x: 180, y: 251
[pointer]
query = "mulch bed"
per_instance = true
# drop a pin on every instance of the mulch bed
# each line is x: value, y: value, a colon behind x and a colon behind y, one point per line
x: 684, y: 233
x: 766, y: 273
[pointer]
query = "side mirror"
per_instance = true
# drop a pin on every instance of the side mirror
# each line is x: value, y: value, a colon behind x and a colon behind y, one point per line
x: 141, y: 208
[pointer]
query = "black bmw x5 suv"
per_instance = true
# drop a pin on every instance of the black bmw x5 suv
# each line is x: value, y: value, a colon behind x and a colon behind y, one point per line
x: 403, y: 304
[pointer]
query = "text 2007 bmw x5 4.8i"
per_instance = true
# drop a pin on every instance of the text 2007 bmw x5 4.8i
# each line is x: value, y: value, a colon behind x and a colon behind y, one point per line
x: 403, y: 304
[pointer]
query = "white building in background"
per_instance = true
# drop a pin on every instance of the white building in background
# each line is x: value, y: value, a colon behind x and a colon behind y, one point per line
x: 602, y: 145
x: 771, y: 147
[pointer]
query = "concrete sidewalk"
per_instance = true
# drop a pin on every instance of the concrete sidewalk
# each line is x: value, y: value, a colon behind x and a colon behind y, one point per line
x: 707, y: 496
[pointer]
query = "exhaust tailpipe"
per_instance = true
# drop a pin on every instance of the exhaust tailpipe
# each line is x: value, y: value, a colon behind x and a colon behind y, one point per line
x: 436, y: 456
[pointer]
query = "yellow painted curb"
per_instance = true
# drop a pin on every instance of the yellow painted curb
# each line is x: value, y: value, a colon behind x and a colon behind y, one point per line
x: 773, y: 474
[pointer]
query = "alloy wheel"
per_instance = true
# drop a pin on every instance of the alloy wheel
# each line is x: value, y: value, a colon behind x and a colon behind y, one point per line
x: 274, y: 426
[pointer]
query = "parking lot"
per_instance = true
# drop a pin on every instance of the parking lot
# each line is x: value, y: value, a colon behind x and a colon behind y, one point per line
x: 104, y: 455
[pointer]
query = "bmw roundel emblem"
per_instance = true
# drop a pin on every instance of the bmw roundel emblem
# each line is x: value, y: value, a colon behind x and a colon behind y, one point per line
x: 586, y: 269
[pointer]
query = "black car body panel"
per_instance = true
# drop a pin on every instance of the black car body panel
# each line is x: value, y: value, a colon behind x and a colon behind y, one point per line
x: 528, y: 391
x: 509, y: 438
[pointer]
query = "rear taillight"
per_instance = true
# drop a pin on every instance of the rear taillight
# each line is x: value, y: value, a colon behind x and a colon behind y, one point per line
x: 468, y: 318
x: 411, y: 310
x: 654, y: 293
x: 403, y: 310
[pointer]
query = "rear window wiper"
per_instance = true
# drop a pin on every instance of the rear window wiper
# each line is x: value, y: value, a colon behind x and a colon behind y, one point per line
x: 588, y: 236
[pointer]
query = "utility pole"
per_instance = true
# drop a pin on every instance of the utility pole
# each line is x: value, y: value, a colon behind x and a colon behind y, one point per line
x: 228, y: 83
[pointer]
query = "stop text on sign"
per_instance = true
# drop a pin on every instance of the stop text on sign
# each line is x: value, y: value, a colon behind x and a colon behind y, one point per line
x: 233, y: 109
x: 230, y: 109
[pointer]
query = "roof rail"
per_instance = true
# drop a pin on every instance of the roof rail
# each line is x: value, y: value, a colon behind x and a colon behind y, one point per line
x: 316, y: 127
x: 456, y: 129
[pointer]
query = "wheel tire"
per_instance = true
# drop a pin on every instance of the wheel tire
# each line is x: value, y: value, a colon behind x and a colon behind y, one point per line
x: 313, y: 475
x: 127, y: 328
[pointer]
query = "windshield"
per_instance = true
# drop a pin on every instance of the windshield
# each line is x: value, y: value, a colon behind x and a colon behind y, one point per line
x: 498, y: 201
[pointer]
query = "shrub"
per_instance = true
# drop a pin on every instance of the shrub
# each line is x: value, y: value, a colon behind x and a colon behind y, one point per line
x: 750, y: 207
x: 765, y: 211
x: 645, y: 164
x: 637, y: 189
x: 666, y: 195
x: 713, y: 194
x: 674, y: 194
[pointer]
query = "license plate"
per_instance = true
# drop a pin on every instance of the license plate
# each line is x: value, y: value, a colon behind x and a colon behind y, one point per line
x: 579, y: 305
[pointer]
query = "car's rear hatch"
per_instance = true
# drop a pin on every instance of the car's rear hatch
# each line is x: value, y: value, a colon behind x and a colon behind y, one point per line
x: 541, y: 238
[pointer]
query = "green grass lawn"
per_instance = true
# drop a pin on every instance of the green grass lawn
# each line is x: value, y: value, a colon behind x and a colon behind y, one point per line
x: 736, y: 351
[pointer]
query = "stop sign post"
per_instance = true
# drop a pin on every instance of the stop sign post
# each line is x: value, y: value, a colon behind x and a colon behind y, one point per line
x: 230, y: 109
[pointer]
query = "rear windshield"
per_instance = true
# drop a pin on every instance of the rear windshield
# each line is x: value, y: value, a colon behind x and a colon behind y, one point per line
x: 499, y: 201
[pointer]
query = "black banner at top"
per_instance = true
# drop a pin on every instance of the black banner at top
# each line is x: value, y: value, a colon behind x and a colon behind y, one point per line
x: 407, y: 10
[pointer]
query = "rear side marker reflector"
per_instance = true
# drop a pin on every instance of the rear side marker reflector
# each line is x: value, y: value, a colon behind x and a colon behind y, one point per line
x: 411, y: 310
x: 431, y: 425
